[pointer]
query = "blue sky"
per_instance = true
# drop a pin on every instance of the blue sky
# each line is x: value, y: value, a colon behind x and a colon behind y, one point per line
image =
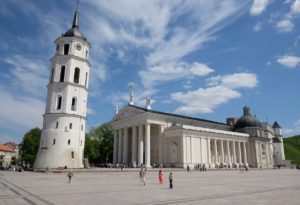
x: 202, y: 58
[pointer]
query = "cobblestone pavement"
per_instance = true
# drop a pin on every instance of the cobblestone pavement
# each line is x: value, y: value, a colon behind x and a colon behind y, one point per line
x: 211, y: 187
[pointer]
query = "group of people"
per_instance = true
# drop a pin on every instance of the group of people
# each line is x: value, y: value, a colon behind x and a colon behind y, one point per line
x: 160, y: 177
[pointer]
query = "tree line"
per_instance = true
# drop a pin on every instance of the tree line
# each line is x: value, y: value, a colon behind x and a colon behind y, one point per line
x: 98, y: 146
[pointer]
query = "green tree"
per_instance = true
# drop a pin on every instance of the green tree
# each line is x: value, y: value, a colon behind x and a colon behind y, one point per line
x: 99, y: 144
x: 30, y: 146
x: 91, y: 149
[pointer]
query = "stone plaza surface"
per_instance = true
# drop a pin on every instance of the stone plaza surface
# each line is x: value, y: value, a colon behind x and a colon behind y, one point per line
x: 116, y: 187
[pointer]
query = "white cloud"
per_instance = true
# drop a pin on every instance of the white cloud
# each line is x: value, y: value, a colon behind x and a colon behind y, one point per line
x: 295, y: 7
x: 258, y: 6
x: 160, y: 74
x: 289, y: 61
x: 28, y: 74
x: 203, y: 100
x: 285, y: 25
x: 221, y: 89
x: 236, y: 80
x: 257, y: 27
x: 20, y: 112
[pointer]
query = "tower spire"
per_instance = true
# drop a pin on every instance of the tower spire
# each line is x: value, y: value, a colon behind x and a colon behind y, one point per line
x: 76, y: 16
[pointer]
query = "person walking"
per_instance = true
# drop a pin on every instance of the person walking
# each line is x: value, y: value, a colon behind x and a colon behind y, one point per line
x: 70, y: 175
x: 160, y: 177
x: 171, y: 180
x: 142, y: 176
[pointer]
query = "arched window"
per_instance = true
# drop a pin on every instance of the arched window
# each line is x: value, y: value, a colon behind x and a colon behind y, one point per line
x: 74, y: 102
x: 58, y: 103
x: 52, y: 75
x: 76, y: 75
x: 62, y: 74
x: 70, y: 126
x: 86, y: 75
x: 54, y: 141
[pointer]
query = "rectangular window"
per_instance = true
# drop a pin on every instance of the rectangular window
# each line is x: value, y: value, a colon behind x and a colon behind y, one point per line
x: 86, y: 75
x: 73, y: 107
x: 70, y: 126
x: 72, y: 155
x: 58, y: 103
x: 52, y: 75
x: 66, y: 49
x: 56, y: 125
x: 57, y: 47
x: 69, y: 142
x: 62, y: 74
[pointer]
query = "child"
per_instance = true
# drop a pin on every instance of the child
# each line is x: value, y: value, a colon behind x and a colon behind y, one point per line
x: 171, y: 180
x: 160, y: 177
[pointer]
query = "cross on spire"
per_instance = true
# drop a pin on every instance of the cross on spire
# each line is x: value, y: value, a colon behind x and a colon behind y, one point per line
x: 77, y: 4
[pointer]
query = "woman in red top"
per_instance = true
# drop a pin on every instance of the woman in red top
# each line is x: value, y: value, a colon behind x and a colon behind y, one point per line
x: 160, y: 177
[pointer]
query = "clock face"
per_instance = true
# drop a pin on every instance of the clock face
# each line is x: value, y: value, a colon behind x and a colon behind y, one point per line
x: 78, y: 47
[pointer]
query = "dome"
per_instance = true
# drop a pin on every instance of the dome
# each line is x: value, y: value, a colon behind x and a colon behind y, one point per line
x: 74, y: 31
x: 247, y: 120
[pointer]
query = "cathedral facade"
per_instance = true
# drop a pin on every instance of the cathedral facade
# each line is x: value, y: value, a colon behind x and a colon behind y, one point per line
x: 148, y: 137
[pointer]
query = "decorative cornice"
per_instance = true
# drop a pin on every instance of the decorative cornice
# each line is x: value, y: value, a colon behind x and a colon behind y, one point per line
x: 72, y: 56
x: 68, y: 83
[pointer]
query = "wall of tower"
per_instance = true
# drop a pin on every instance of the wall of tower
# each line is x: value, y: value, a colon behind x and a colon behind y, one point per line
x: 67, y: 92
x: 63, y: 134
x: 62, y: 142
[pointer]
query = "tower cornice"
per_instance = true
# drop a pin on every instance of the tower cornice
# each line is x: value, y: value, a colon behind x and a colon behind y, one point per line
x: 72, y: 37
x: 64, y: 114
x: 68, y: 83
x: 72, y: 56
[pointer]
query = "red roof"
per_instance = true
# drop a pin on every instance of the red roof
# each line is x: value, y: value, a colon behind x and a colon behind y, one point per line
x: 6, y: 148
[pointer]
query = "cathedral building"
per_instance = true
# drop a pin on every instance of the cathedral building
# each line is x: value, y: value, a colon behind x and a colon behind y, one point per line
x: 63, y: 132
x: 148, y: 137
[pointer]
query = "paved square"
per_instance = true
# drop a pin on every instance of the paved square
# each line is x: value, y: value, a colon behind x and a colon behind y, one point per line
x: 211, y: 187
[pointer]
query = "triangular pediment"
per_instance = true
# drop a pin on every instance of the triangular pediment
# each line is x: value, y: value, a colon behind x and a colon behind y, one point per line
x: 127, y: 111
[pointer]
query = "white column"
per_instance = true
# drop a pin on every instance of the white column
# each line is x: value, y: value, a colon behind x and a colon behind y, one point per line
x: 161, y: 144
x: 134, y: 145
x: 240, y: 152
x: 208, y: 151
x: 115, y: 158
x: 147, y: 145
x: 245, y: 153
x: 216, y: 151
x: 234, y: 152
x: 141, y: 146
x: 228, y: 152
x: 120, y: 147
x: 125, y: 146
x: 222, y: 151
x: 201, y: 150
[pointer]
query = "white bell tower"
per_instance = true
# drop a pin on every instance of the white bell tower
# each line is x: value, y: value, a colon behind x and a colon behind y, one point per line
x: 63, y: 133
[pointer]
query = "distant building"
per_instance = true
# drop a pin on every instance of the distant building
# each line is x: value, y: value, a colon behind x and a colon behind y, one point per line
x: 145, y: 136
x: 6, y: 155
